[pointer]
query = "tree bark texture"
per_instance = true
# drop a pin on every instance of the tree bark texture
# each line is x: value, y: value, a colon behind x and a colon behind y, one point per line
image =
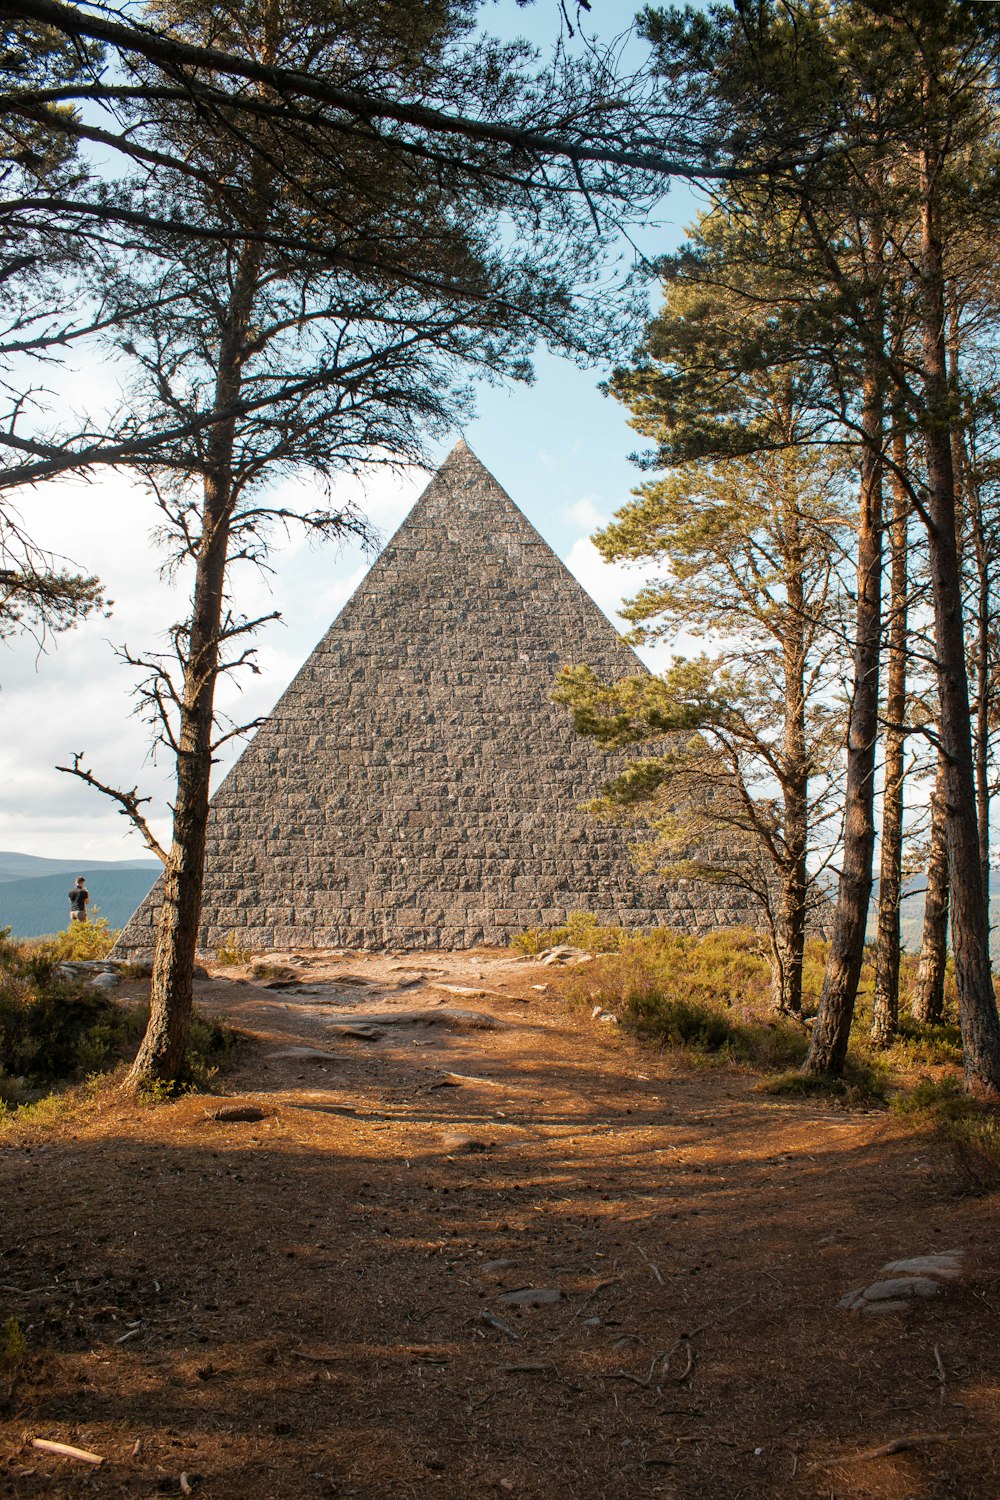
x: 791, y: 920
x: 789, y: 931
x: 927, y: 998
x: 969, y: 929
x: 832, y: 1028
x: 162, y: 1051
x: 886, y: 1003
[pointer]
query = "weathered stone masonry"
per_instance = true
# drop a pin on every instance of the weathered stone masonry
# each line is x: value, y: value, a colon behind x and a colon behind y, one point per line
x: 415, y: 787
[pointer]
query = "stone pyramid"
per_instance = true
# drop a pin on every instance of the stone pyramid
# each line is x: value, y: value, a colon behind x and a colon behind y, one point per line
x: 415, y: 787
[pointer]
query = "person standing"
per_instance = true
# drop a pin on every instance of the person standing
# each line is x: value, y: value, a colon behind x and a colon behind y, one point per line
x: 78, y: 898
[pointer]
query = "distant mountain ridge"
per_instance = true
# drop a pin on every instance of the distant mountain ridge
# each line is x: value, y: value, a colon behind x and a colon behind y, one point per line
x: 34, y: 892
x: 911, y: 922
x: 14, y: 866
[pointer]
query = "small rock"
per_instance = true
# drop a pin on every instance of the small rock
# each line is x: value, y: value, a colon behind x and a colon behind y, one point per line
x: 229, y: 1114
x: 542, y: 989
x: 898, y: 1290
x: 599, y: 1014
x: 453, y: 1141
x: 918, y: 1277
x: 104, y: 982
x: 533, y: 1296
x: 356, y: 1033
x: 497, y: 1265
x: 563, y: 955
x: 947, y: 1265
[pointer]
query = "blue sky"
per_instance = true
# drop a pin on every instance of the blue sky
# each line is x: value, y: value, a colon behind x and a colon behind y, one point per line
x: 559, y: 447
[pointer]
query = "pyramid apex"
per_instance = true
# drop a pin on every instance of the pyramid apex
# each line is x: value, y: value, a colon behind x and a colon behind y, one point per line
x: 461, y: 453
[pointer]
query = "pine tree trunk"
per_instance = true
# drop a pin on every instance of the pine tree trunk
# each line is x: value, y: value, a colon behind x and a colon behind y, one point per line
x: 886, y: 1005
x: 161, y: 1053
x: 791, y: 924
x: 832, y: 1028
x: 790, y: 941
x: 969, y: 506
x: 969, y: 930
x: 982, y: 651
x: 927, y: 999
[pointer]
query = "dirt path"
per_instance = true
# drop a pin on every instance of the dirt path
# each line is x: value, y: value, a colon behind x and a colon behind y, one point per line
x: 312, y: 1304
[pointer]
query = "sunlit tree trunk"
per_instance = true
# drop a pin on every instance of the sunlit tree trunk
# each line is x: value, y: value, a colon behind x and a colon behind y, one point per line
x: 832, y: 1028
x: 791, y: 926
x: 927, y: 998
x: 886, y: 1003
x: 969, y: 929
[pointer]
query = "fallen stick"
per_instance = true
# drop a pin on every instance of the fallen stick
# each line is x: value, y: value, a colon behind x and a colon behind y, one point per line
x: 942, y: 1373
x: 65, y: 1450
x: 655, y: 1269
x: 600, y: 1287
x: 492, y: 1321
x: 898, y: 1445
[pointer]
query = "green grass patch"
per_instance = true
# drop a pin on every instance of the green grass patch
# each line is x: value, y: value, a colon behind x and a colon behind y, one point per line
x: 580, y: 930
x: 938, y: 1098
x: 863, y: 1083
x: 54, y: 1030
x: 709, y: 995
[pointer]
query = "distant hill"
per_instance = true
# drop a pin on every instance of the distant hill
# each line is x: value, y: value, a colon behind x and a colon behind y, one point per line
x: 40, y: 905
x: 912, y: 915
x: 29, y: 866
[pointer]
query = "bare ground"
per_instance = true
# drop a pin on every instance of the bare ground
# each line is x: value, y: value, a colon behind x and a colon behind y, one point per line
x: 310, y: 1304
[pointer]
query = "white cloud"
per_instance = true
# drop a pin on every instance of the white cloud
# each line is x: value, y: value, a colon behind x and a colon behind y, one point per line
x: 585, y: 514
x: 78, y: 695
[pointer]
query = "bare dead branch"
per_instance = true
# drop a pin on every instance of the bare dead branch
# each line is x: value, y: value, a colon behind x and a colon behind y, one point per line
x: 129, y: 802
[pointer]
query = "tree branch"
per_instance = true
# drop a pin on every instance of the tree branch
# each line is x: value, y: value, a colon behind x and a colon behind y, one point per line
x: 130, y: 803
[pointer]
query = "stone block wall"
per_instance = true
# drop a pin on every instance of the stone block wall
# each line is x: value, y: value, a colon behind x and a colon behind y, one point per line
x: 415, y: 787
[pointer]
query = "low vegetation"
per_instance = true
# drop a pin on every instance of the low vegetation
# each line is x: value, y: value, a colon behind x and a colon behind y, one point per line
x: 711, y: 996
x: 708, y: 995
x: 973, y: 1144
x: 56, y: 1031
x: 232, y: 952
x: 79, y: 942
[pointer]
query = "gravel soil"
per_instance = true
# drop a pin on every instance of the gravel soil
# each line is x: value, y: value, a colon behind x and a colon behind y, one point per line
x: 312, y: 1303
